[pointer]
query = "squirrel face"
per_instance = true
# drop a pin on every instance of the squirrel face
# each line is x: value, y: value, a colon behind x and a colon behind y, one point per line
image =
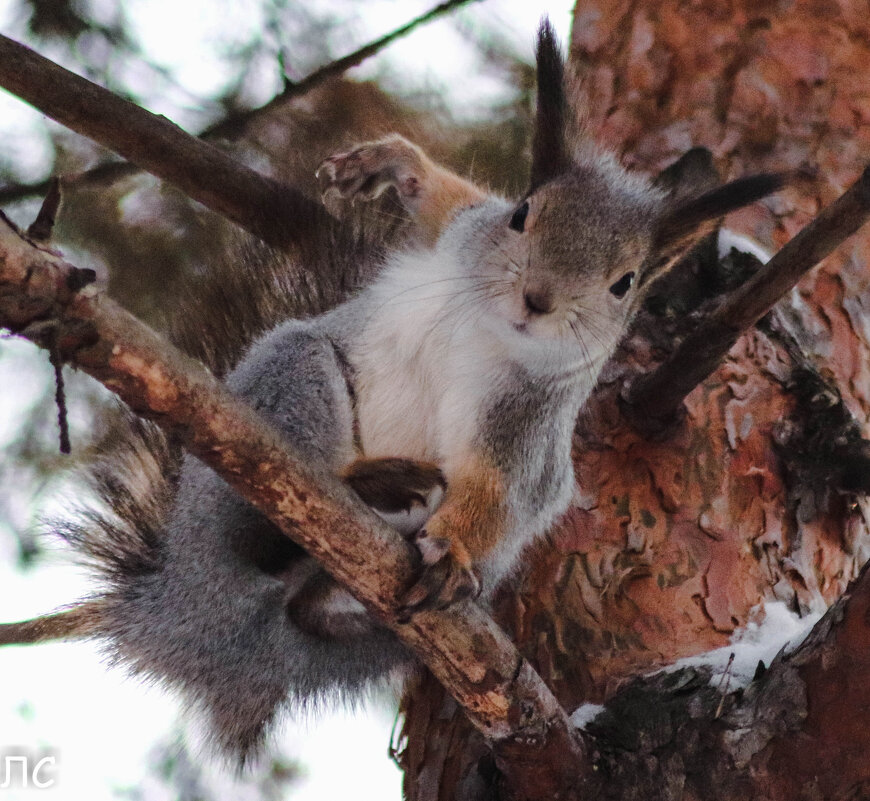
x: 564, y: 260
x: 571, y: 263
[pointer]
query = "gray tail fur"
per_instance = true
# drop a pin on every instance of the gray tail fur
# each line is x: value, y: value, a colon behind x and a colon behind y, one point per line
x: 201, y: 612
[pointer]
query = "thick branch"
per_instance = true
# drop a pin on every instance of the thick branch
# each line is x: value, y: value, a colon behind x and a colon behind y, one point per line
x: 828, y: 750
x: 277, y: 213
x: 799, y: 730
x: 655, y: 397
x: 503, y: 696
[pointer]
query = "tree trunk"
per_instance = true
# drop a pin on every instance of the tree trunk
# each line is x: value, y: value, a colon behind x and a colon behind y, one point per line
x: 749, y: 496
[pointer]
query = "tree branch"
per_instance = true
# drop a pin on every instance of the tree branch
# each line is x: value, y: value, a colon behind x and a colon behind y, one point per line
x: 653, y: 399
x: 503, y: 696
x: 236, y: 125
x: 277, y: 213
x: 102, y: 175
x: 826, y: 748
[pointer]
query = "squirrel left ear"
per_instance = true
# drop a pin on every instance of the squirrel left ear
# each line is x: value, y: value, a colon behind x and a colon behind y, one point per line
x: 551, y: 154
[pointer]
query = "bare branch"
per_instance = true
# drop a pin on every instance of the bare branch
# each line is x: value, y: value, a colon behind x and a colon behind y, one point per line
x: 655, y: 397
x: 504, y: 698
x: 70, y: 624
x: 40, y: 229
x: 277, y: 213
x: 236, y: 125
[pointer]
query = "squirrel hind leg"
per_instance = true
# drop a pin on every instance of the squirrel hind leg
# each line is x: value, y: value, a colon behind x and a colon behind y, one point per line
x: 326, y: 610
x: 404, y: 493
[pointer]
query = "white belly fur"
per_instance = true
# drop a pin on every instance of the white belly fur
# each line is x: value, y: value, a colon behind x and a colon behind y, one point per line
x: 424, y: 363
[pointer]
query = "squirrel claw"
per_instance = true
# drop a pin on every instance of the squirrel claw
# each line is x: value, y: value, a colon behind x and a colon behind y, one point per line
x: 366, y: 171
x: 441, y: 584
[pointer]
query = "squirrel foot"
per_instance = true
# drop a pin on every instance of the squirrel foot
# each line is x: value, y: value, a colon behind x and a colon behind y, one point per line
x: 447, y: 576
x: 366, y: 171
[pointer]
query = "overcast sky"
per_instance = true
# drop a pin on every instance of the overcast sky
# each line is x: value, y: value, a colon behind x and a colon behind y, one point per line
x: 188, y: 37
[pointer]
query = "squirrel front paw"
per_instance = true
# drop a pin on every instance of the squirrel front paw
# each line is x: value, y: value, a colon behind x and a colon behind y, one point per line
x: 447, y: 575
x: 403, y: 492
x: 366, y: 171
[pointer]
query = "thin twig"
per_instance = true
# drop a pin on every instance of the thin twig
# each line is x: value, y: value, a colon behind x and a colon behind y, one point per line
x: 104, y: 174
x: 60, y: 395
x: 724, y: 684
x: 235, y: 126
x: 652, y: 399
x: 41, y: 228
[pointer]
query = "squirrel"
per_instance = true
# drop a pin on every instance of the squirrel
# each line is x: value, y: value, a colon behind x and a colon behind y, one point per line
x: 444, y: 393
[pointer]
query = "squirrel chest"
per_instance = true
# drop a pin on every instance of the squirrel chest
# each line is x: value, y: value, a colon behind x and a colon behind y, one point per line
x: 426, y: 362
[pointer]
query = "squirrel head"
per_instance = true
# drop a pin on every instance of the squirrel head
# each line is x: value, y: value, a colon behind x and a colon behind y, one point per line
x: 578, y: 253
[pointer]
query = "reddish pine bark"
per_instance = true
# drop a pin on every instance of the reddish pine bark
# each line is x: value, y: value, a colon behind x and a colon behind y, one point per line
x: 679, y: 538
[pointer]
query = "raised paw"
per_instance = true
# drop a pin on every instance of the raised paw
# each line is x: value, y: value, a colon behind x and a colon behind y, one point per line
x: 445, y: 579
x: 366, y: 171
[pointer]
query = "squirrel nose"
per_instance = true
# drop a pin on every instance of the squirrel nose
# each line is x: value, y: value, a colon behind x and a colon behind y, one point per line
x: 538, y: 300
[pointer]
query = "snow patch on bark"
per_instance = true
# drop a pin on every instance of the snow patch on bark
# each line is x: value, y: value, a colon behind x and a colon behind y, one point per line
x: 585, y: 714
x: 731, y: 239
x: 779, y: 629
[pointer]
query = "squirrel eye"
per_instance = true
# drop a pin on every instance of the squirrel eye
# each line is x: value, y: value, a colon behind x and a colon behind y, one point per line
x: 622, y: 285
x: 518, y: 221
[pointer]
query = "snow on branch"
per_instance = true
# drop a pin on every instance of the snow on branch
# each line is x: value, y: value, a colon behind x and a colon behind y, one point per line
x: 46, y: 299
x: 798, y: 729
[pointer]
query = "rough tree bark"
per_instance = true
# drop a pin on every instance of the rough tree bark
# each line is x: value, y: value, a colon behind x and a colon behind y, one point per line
x: 749, y: 494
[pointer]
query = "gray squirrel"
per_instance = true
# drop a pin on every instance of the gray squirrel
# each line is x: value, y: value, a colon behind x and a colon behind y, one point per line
x: 445, y: 394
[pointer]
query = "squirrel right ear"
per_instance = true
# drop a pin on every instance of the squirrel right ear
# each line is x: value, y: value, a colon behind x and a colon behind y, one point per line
x: 690, y: 175
x: 686, y: 220
x: 551, y: 155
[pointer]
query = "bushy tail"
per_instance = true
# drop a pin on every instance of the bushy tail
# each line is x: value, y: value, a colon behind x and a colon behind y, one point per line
x: 133, y: 477
x: 199, y: 607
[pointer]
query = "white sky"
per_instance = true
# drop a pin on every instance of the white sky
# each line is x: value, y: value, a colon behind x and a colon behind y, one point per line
x: 102, y: 725
x: 188, y: 37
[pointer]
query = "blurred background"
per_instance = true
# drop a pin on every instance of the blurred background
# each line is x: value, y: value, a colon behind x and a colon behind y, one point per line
x: 461, y: 85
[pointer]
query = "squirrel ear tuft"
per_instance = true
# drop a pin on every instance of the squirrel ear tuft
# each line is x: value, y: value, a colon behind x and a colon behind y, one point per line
x: 686, y: 221
x: 550, y: 150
